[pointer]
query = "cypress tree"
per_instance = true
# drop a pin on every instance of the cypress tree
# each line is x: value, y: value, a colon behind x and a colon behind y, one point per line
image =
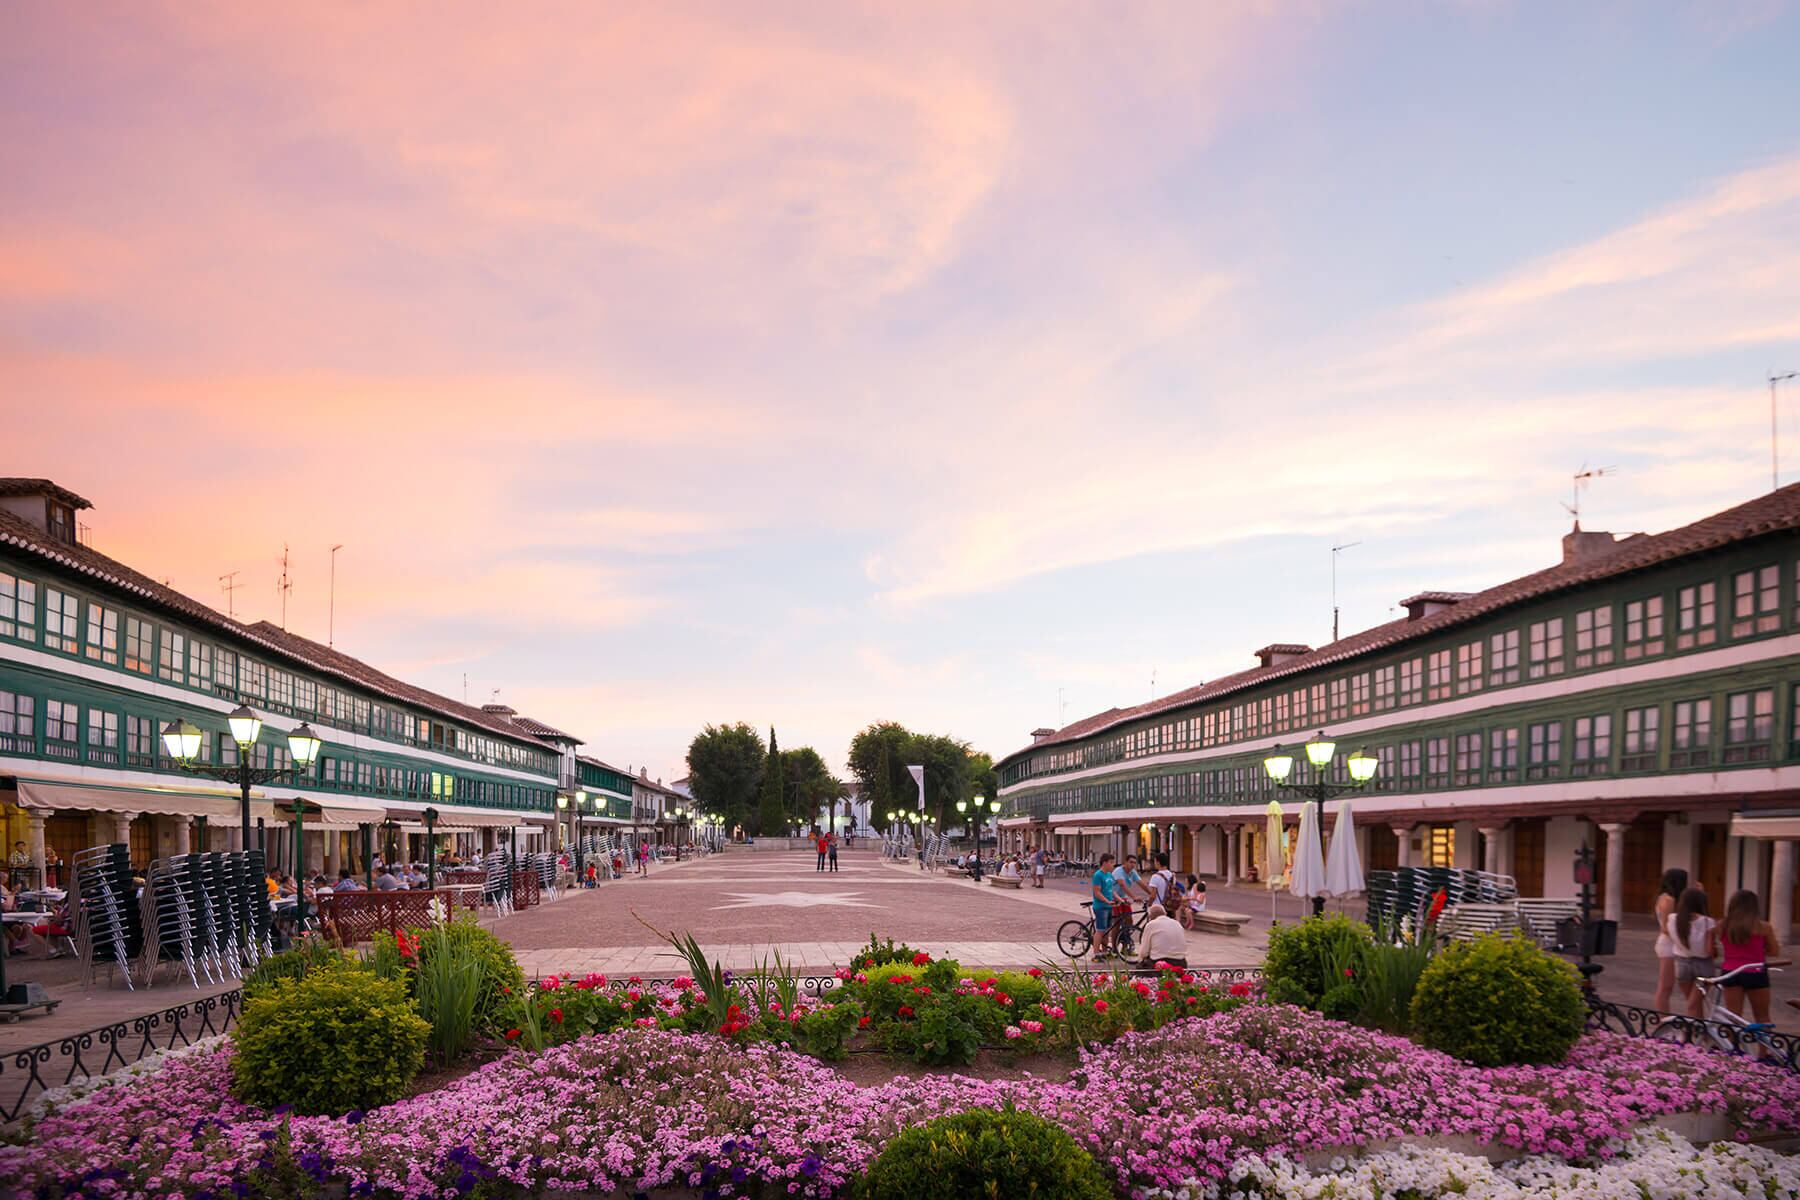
x: 772, y: 817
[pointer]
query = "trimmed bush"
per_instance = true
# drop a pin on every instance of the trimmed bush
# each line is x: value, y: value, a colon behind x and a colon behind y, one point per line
x: 334, y: 1040
x: 1313, y: 964
x: 982, y: 1154
x: 307, y: 955
x: 501, y: 978
x: 1499, y: 1001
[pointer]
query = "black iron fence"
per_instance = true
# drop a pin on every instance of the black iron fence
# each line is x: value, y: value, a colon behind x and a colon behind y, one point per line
x: 28, y: 1073
x: 1769, y: 1045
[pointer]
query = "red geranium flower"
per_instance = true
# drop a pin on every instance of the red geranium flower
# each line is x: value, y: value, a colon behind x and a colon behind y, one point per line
x: 512, y: 1035
x: 556, y: 1015
x: 921, y: 958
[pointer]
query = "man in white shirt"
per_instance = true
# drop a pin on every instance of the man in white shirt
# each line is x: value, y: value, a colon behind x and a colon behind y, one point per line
x: 1165, y: 941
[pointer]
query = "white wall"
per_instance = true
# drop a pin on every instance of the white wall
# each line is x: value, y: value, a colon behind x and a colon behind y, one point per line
x: 1562, y: 837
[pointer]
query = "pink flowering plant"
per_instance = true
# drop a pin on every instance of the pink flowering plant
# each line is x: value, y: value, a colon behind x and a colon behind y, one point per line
x: 640, y: 1109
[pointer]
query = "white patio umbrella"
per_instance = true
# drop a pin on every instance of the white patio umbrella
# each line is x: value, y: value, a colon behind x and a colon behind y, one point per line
x: 1343, y: 867
x: 1308, y: 877
x: 1274, y: 860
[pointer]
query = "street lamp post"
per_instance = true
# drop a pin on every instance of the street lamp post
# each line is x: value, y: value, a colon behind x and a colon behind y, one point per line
x: 299, y: 810
x: 1320, y: 752
x: 431, y: 816
x: 182, y: 741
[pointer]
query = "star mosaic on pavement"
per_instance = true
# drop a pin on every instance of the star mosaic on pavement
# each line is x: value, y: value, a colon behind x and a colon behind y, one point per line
x: 795, y: 900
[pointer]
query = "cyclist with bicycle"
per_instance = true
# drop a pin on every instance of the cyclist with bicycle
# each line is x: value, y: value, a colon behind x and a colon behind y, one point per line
x: 1129, y: 888
x: 1103, y: 888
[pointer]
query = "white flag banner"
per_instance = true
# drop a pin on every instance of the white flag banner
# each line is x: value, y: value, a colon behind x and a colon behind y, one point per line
x: 918, y: 774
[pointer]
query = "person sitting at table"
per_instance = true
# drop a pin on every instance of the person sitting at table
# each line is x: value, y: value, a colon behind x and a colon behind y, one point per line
x: 286, y: 887
x: 347, y: 882
x: 387, y: 881
x: 17, y: 932
x: 59, y: 924
x: 273, y: 882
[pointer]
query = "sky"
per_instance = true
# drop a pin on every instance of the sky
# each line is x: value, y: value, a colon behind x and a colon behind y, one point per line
x: 978, y: 367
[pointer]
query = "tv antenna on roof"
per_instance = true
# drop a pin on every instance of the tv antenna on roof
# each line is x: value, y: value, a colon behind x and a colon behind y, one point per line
x: 1580, y: 480
x: 228, y: 584
x: 286, y: 584
x: 1335, y: 551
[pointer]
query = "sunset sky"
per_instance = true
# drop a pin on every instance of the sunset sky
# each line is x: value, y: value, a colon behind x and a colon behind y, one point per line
x: 814, y: 364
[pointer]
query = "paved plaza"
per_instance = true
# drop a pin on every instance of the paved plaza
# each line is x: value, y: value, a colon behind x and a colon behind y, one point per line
x: 746, y: 904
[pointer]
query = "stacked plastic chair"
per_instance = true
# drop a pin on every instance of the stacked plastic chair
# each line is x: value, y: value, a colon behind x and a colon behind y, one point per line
x: 109, y: 927
x: 545, y: 865
x: 171, y: 899
x: 496, y: 890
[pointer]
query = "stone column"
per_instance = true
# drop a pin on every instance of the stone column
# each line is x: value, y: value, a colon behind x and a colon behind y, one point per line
x: 332, y: 847
x: 34, y: 844
x: 1491, y: 859
x: 1403, y: 838
x: 1228, y: 851
x: 1612, y: 896
x: 234, y: 836
x: 1781, y: 891
x: 122, y: 827
x: 184, y: 828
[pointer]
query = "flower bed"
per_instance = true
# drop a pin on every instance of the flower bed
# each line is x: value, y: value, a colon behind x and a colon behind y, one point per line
x: 1181, y: 1108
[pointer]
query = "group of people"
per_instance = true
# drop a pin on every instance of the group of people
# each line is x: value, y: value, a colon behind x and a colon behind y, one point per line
x: 1691, y: 946
x: 21, y: 876
x: 388, y: 877
x: 827, y: 846
x: 1170, y: 904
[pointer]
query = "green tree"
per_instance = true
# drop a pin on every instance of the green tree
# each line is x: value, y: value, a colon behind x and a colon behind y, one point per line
x: 725, y: 765
x: 772, y: 812
x: 809, y: 783
x: 946, y: 763
x: 878, y: 760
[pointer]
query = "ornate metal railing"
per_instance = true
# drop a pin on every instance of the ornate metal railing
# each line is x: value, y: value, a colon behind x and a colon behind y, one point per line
x: 26, y: 1074
x: 1769, y: 1045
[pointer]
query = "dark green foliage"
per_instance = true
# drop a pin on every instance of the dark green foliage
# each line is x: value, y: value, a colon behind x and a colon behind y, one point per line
x: 335, y: 1040
x: 1313, y: 964
x: 771, y: 812
x: 725, y: 765
x: 307, y: 955
x: 877, y: 954
x: 985, y: 1155
x: 1498, y: 1001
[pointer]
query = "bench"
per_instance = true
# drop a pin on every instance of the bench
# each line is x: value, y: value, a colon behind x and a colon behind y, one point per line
x: 1003, y: 881
x: 1214, y: 921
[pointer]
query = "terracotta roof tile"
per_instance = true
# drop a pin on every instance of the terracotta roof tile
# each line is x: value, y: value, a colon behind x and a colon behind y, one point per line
x: 1775, y: 512
x: 84, y: 560
x: 22, y: 486
x: 538, y: 729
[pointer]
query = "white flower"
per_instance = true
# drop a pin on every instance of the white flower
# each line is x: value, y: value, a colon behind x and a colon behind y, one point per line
x: 62, y: 1097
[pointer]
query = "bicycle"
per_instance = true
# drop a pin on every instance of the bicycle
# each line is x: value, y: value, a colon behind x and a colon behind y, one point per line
x: 1076, y: 938
x: 1706, y: 1031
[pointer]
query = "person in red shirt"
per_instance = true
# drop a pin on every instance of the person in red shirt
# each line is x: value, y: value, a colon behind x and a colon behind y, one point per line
x: 824, y: 844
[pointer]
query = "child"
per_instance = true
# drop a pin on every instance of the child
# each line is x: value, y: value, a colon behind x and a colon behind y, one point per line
x: 1193, y: 900
x: 1744, y: 939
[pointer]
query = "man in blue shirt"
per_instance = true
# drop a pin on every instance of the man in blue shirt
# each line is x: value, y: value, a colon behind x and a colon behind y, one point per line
x: 1103, y: 887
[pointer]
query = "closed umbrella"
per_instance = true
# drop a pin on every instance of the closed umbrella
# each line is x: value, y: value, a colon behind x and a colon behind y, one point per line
x: 1274, y: 861
x: 1308, y: 877
x: 1343, y: 867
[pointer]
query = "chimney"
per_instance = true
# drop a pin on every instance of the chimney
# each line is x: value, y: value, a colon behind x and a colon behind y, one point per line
x: 499, y: 710
x: 1040, y: 733
x: 1276, y: 653
x: 1425, y: 603
x: 1580, y: 546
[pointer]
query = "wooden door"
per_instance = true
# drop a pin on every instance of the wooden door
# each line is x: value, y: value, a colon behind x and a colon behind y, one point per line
x: 1528, y: 855
x: 1643, y: 864
x: 1709, y: 860
x: 1384, y: 849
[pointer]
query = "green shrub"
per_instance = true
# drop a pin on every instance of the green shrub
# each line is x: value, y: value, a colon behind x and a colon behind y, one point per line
x: 982, y: 1155
x: 501, y: 978
x: 307, y: 955
x: 1313, y: 964
x: 877, y: 954
x: 1024, y: 990
x: 1497, y: 1001
x: 334, y: 1040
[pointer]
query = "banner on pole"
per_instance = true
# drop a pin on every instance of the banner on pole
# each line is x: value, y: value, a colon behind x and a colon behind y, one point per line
x: 918, y: 774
